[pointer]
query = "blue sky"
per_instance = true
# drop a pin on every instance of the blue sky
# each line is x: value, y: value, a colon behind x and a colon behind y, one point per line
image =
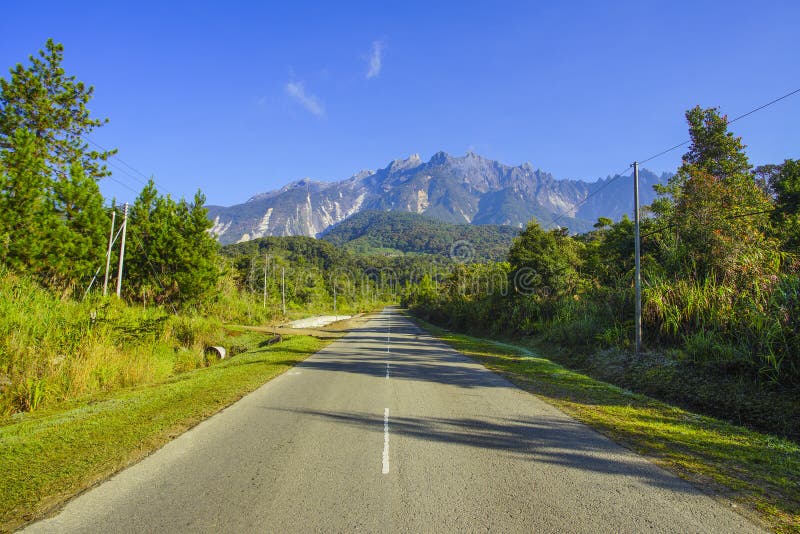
x: 236, y: 98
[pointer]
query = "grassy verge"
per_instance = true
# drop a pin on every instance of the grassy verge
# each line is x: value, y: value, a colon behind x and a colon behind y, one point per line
x: 51, y: 455
x: 760, y: 473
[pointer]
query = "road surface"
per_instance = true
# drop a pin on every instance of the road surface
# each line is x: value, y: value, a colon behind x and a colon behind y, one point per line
x: 389, y: 430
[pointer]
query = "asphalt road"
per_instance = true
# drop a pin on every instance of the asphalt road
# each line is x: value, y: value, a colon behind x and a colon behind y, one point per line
x: 388, y: 430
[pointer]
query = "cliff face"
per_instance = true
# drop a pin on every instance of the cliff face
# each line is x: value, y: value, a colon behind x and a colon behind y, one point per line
x: 469, y: 189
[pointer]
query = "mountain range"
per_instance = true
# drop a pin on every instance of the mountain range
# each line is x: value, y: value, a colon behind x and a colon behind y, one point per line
x: 469, y: 189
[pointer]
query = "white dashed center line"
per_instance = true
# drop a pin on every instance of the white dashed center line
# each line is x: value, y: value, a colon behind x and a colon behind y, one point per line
x: 386, y: 441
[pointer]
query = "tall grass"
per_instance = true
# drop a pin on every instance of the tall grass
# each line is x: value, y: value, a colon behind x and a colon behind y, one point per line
x: 52, y: 350
x: 758, y: 327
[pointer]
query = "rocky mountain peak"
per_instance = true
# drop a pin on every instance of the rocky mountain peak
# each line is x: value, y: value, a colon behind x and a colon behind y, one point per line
x: 463, y: 189
x: 440, y: 158
x: 404, y: 164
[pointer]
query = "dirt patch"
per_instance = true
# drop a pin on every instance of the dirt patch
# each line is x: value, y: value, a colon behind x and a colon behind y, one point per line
x: 330, y: 331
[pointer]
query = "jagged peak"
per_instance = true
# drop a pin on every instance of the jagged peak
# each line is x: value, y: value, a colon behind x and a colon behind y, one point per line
x: 303, y: 183
x: 440, y: 158
x: 409, y: 163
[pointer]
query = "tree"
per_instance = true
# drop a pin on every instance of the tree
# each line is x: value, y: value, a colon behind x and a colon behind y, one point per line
x: 26, y: 216
x: 54, y: 222
x: 199, y: 251
x: 173, y: 257
x: 715, y: 209
x: 785, y: 182
x: 79, y: 239
x: 713, y: 150
x: 42, y: 99
x: 547, y: 260
x: 608, y: 255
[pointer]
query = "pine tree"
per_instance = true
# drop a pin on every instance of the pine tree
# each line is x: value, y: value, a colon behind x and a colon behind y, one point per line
x: 78, y: 248
x: 202, y: 272
x: 173, y: 257
x: 26, y: 215
x: 42, y: 99
x: 54, y: 224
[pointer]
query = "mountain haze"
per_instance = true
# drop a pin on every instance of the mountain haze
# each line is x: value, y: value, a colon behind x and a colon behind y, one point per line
x: 469, y: 189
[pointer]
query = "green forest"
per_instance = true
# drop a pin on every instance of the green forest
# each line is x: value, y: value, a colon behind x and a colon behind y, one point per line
x: 721, y: 288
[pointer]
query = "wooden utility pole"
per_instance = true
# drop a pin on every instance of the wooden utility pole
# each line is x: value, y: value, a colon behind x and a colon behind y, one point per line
x: 283, y: 290
x: 108, y: 251
x: 638, y: 260
x: 122, y: 249
x: 266, y: 261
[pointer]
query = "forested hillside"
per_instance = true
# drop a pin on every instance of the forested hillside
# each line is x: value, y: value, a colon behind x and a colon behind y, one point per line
x: 393, y: 232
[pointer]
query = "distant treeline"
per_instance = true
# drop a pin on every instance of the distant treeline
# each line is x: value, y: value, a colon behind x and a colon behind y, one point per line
x: 314, y: 270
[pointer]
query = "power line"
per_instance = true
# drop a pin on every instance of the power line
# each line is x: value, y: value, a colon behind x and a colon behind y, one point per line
x: 101, y: 147
x: 667, y: 151
x: 743, y: 115
x: 728, y: 218
x: 659, y: 154
x: 123, y: 184
x: 125, y: 163
x: 613, y: 179
x: 787, y: 95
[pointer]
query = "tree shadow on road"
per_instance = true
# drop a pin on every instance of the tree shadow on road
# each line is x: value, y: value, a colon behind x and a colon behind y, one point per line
x: 551, y: 440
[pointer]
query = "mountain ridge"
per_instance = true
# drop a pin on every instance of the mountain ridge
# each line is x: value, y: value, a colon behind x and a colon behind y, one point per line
x: 469, y: 189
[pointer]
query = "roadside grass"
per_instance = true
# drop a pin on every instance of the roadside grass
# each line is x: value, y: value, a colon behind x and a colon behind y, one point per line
x: 51, y: 455
x: 759, y: 473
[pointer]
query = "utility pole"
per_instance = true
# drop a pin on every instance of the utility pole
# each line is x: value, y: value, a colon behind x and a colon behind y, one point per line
x: 122, y: 248
x: 283, y: 290
x: 108, y: 252
x: 266, y: 260
x: 637, y: 253
x: 334, y: 298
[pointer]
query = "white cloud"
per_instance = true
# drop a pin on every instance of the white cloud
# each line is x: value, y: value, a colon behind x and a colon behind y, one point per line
x: 375, y: 59
x: 297, y: 91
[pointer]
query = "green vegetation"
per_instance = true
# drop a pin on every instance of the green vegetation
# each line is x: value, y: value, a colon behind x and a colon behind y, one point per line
x: 52, y: 350
x: 53, y: 225
x: 315, y: 270
x: 46, y: 459
x: 721, y: 289
x: 174, y: 258
x: 758, y: 471
x: 61, y: 341
x: 396, y: 232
